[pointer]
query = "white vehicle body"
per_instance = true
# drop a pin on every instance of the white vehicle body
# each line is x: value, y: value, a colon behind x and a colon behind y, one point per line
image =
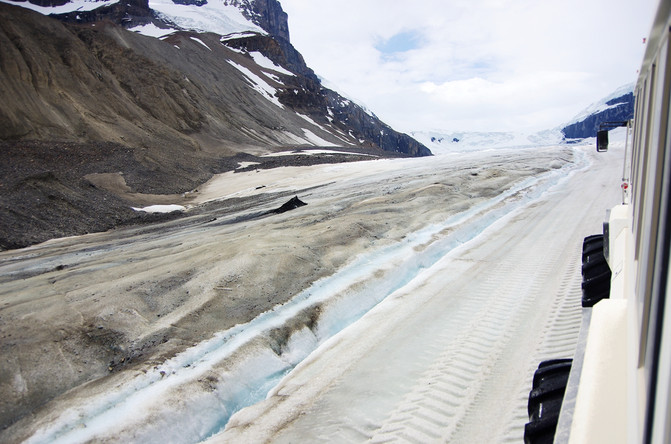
x: 619, y: 388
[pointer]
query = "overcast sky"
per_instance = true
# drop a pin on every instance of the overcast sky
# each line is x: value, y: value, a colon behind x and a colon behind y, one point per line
x: 472, y: 65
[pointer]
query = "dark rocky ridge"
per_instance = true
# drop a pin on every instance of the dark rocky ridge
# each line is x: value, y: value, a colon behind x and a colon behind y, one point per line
x: 624, y: 110
x: 167, y: 114
x: 268, y: 14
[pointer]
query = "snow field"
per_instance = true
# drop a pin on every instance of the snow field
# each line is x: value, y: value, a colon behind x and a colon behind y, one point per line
x: 340, y: 300
x: 458, y: 365
x: 192, y: 395
x: 213, y: 16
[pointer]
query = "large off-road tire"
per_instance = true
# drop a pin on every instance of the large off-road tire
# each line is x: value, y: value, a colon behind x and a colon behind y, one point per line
x: 545, y: 400
x: 596, y: 273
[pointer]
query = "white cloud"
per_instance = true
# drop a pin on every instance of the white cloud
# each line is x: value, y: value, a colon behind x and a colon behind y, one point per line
x: 538, y: 87
x: 473, y: 64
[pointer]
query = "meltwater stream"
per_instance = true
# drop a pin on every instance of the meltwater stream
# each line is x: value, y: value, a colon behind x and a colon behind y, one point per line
x: 192, y: 396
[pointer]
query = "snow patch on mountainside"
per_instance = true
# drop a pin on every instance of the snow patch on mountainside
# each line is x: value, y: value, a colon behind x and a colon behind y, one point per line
x: 195, y: 39
x: 258, y: 84
x: 315, y: 139
x: 266, y: 63
x: 236, y: 35
x: 161, y: 208
x: 309, y: 120
x: 151, y: 30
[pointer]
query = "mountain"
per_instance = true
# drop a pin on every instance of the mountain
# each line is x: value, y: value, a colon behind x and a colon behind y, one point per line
x: 245, y: 28
x: 619, y: 106
x: 97, y: 118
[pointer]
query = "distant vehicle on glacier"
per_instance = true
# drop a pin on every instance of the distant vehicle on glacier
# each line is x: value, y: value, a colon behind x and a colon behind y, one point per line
x: 617, y: 387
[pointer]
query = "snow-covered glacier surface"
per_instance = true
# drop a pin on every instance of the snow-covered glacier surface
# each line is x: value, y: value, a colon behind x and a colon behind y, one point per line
x: 449, y: 356
x: 216, y: 16
x: 414, y: 216
x: 446, y: 142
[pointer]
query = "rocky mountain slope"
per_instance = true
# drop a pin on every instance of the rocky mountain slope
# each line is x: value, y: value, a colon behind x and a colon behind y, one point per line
x: 617, y: 107
x: 96, y: 118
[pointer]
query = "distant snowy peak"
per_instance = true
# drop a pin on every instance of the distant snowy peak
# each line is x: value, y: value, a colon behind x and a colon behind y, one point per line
x: 618, y: 106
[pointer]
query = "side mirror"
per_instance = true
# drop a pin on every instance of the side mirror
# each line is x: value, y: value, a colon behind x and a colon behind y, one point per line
x: 602, y: 140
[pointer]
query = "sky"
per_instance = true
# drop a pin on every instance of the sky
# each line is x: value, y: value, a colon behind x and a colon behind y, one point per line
x: 472, y: 65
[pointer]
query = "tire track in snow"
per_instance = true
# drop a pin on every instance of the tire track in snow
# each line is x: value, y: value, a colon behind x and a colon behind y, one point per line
x: 464, y: 370
x: 445, y: 393
x: 559, y: 341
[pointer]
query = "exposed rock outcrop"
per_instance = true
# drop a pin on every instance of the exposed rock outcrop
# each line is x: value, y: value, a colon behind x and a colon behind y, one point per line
x: 280, y: 51
x: 289, y: 205
x: 269, y: 15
